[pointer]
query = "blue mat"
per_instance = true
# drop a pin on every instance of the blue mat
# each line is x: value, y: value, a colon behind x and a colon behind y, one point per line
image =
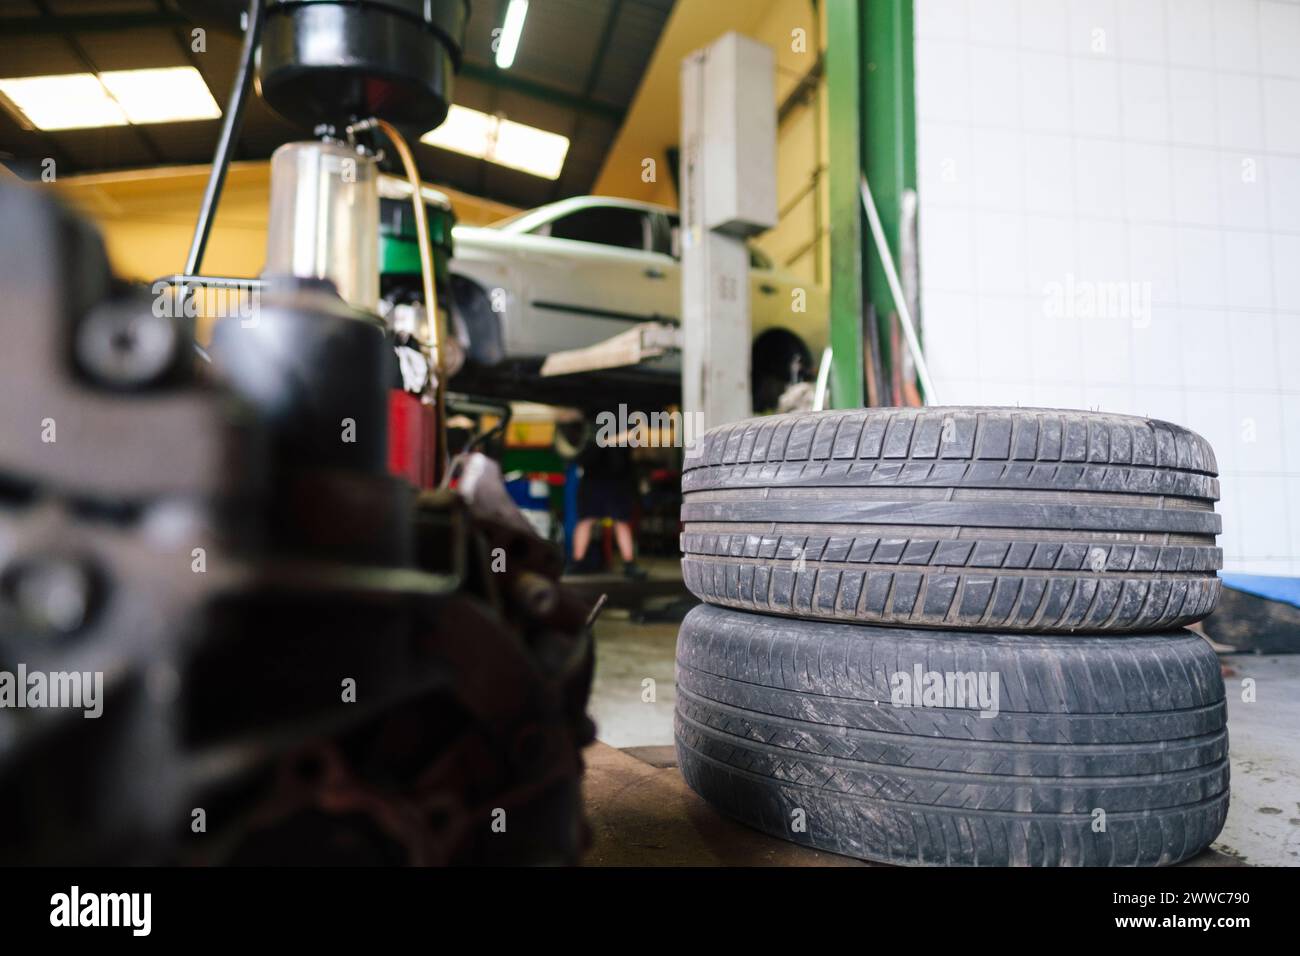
x: 1286, y: 590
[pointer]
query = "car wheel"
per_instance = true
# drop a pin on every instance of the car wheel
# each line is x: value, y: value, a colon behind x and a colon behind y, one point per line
x: 482, y: 324
x: 778, y: 360
x: 1065, y: 751
x: 986, y: 518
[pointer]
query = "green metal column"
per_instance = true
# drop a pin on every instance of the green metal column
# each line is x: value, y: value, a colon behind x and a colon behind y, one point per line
x: 889, y: 153
x: 869, y: 64
x: 844, y: 66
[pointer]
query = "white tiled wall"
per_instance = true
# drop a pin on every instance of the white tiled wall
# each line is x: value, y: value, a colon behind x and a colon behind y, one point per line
x: 1077, y: 148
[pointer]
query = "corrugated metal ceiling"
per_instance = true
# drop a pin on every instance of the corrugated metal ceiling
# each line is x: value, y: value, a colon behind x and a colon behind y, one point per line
x: 576, y: 71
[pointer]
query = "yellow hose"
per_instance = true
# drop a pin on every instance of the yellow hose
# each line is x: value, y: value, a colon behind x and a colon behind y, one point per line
x: 430, y: 292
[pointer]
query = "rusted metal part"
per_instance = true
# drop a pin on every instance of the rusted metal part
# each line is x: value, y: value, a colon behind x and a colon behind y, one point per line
x: 257, y: 605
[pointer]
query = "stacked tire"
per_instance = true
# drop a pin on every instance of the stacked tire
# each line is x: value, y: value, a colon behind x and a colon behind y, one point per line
x: 955, y: 635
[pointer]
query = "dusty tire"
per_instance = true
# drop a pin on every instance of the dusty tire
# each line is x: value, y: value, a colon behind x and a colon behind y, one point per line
x: 777, y: 716
x: 958, y: 518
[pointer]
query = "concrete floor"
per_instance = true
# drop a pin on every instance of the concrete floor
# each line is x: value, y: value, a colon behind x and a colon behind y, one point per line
x: 1264, y: 746
x: 627, y: 655
x: 1263, y: 826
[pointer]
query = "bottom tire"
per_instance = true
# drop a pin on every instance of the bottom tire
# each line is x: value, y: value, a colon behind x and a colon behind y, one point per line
x: 955, y: 748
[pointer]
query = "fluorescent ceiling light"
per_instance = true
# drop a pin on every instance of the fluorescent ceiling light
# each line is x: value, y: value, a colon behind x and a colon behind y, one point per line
x: 70, y: 101
x: 115, y: 98
x: 511, y: 31
x: 531, y: 149
x: 464, y: 131
x: 169, y: 95
x: 501, y: 141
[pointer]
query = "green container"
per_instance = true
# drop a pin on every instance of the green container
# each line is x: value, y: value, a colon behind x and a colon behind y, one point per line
x: 399, y: 250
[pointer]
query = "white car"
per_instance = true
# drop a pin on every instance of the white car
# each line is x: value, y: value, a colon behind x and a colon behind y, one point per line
x: 576, y: 272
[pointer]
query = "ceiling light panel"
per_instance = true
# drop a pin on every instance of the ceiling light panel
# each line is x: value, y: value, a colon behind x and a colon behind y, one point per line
x: 113, y: 98
x: 69, y: 101
x: 501, y: 141
x: 169, y: 95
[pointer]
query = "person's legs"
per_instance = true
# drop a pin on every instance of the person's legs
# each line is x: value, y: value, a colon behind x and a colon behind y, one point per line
x: 582, y: 538
x: 623, y: 534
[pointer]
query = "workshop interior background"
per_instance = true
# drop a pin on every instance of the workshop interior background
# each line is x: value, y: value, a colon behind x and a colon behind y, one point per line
x: 1092, y: 205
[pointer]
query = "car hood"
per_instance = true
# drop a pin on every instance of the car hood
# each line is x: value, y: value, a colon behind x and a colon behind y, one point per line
x: 481, y: 237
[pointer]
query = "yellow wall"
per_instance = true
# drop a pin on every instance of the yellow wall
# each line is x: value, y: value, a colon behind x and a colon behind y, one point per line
x: 801, y: 240
x: 147, y: 217
x: 654, y: 122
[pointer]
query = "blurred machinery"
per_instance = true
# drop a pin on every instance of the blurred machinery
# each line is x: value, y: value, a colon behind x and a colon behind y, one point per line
x: 314, y: 649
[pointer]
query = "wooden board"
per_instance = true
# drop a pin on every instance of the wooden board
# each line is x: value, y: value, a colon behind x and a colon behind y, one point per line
x: 642, y: 814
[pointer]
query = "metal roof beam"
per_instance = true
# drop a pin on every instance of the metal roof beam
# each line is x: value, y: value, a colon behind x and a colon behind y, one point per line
x: 505, y: 81
x: 49, y: 24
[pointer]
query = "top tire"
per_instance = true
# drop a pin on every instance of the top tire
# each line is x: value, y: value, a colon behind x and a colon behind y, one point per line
x: 1008, y: 519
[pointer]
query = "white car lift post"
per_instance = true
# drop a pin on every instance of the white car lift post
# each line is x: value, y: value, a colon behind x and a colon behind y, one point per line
x: 728, y: 193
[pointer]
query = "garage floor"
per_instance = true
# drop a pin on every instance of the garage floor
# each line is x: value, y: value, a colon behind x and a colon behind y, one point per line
x: 1264, y: 745
x: 644, y: 814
